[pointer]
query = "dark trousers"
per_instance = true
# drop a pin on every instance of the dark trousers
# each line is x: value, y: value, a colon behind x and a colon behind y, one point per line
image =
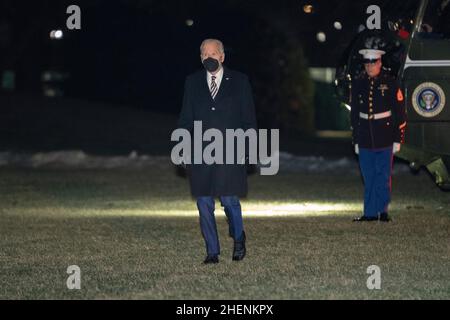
x: 376, y: 169
x: 232, y: 208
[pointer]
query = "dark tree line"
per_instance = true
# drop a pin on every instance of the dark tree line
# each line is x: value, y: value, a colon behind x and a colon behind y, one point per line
x: 115, y: 66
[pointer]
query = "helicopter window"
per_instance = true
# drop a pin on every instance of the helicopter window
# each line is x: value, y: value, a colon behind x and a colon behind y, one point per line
x: 435, y: 24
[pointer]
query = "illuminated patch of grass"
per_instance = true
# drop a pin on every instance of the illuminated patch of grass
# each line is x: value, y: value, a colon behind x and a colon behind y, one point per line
x: 135, y: 234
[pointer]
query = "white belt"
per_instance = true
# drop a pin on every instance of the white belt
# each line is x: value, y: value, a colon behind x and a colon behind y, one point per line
x: 376, y: 116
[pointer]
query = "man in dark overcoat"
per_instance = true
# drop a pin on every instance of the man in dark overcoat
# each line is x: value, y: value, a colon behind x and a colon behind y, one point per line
x: 221, y: 99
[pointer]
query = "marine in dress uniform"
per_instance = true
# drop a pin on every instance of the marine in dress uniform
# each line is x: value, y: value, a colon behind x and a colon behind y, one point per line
x: 378, y: 119
x: 222, y: 99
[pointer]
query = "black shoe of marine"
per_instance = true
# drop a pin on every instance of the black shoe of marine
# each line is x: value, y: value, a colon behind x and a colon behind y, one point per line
x: 384, y: 217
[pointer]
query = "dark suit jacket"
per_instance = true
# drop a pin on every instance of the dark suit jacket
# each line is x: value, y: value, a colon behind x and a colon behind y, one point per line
x: 232, y: 108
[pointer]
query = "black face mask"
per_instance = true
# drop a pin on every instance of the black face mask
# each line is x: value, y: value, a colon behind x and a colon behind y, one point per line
x: 211, y: 64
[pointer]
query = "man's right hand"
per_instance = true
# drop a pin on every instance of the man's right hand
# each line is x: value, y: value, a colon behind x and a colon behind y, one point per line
x: 356, y: 149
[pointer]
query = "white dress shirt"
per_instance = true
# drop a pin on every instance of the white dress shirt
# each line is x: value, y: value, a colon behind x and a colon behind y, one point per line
x: 218, y: 80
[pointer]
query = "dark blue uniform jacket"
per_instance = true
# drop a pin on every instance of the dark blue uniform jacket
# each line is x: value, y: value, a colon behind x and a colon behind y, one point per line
x: 374, y: 96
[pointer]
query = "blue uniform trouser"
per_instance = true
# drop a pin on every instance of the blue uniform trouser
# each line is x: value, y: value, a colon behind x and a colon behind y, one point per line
x: 232, y: 208
x: 376, y: 169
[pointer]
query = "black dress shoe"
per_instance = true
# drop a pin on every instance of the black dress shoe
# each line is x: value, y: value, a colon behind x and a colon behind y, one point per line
x: 365, y: 219
x: 211, y: 260
x: 384, y: 217
x: 239, y: 249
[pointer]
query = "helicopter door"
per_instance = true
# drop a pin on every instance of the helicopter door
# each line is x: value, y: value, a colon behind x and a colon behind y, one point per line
x: 426, y: 73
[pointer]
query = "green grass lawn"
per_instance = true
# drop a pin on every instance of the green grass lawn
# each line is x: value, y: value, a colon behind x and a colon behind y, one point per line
x: 135, y: 235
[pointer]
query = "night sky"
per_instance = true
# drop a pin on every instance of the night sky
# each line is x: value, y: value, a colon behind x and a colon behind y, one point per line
x: 139, y: 52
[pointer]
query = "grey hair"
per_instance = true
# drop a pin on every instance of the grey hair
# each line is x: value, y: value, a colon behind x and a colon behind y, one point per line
x: 218, y: 42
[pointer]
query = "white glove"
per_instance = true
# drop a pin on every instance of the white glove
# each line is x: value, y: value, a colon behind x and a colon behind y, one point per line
x: 356, y: 149
x: 396, y: 148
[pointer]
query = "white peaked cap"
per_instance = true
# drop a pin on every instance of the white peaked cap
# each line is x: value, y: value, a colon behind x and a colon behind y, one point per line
x: 372, y: 54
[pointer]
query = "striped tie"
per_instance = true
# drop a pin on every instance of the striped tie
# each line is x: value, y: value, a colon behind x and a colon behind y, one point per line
x: 214, y: 88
